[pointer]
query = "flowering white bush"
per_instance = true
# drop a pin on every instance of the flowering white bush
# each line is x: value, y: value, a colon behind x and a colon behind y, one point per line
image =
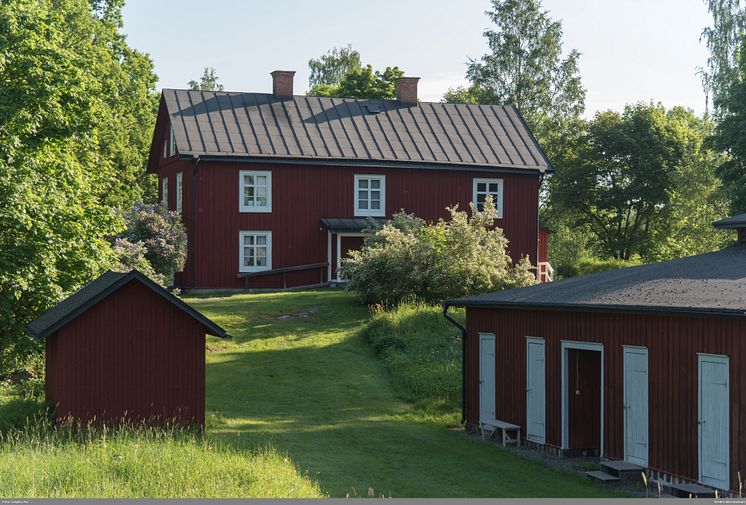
x: 408, y: 258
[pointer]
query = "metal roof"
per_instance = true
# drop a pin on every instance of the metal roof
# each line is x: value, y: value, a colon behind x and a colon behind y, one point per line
x: 71, y: 307
x: 733, y: 222
x: 358, y: 224
x: 713, y: 283
x: 261, y: 126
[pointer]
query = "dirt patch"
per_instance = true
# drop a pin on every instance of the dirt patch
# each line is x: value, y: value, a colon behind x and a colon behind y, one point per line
x: 297, y: 314
x: 216, y: 347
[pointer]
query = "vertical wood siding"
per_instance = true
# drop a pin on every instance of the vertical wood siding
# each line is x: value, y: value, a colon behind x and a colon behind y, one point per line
x: 132, y: 355
x: 673, y: 343
x: 302, y: 195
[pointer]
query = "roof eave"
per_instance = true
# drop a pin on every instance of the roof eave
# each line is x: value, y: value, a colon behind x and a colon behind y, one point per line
x: 597, y: 307
x: 189, y: 155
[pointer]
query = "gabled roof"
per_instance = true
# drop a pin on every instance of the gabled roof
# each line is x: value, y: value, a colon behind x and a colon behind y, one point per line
x: 71, y: 307
x: 260, y: 126
x: 713, y: 283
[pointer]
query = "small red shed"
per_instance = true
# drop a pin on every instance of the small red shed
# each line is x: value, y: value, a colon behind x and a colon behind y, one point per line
x: 122, y: 348
x: 641, y: 366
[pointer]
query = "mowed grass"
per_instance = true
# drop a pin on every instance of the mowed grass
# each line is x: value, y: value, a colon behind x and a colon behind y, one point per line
x: 301, y: 376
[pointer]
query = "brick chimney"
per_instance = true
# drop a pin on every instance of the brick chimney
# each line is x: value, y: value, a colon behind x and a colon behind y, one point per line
x: 282, y: 83
x: 406, y: 90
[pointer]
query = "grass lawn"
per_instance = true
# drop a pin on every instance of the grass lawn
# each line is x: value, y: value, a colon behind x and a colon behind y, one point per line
x: 310, y: 386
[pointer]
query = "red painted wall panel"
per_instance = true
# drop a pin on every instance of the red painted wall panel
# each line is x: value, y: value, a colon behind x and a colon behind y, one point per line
x: 302, y: 195
x: 673, y: 343
x: 132, y: 355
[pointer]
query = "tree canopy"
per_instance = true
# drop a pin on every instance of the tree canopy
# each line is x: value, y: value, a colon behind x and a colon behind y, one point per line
x: 525, y: 67
x: 77, y: 107
x: 643, y: 183
x: 362, y: 83
x: 329, y: 69
x: 207, y: 82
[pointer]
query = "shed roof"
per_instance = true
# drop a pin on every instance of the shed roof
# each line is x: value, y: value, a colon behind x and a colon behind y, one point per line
x: 345, y: 224
x: 93, y: 292
x: 713, y: 283
x: 733, y: 222
x: 261, y: 126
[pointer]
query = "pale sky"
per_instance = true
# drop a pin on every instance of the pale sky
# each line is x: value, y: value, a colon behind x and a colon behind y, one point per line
x: 632, y: 50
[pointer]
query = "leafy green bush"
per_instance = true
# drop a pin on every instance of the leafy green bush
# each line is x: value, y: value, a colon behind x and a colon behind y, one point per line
x: 408, y: 258
x: 594, y: 265
x: 418, y: 348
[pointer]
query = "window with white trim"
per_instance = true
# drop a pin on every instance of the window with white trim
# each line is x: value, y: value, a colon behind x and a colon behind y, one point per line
x: 164, y: 191
x: 370, y: 195
x: 488, y: 187
x: 171, y: 142
x: 165, y: 148
x: 255, y: 251
x: 179, y: 193
x: 255, y: 191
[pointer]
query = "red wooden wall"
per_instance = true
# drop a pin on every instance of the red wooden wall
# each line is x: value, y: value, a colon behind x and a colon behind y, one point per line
x: 673, y: 343
x: 133, y: 353
x: 302, y: 195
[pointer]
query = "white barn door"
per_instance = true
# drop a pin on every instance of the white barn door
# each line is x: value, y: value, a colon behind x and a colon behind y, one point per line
x: 535, y: 390
x: 486, y: 378
x: 636, y: 405
x: 714, y: 422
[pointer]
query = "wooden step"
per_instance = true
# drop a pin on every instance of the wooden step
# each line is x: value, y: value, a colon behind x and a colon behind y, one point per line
x: 602, y: 476
x: 622, y: 469
x: 684, y: 490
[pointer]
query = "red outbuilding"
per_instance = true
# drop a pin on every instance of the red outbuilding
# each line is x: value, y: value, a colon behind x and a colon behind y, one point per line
x: 275, y: 188
x: 641, y: 366
x: 124, y: 349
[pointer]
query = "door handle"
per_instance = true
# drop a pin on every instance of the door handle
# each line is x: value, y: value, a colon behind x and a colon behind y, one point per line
x: 701, y: 421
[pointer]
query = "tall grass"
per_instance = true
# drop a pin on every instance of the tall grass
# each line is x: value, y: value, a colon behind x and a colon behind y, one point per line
x: 423, y: 357
x: 41, y: 460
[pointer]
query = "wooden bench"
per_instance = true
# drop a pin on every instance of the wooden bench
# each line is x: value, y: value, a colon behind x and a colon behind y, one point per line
x: 505, y: 429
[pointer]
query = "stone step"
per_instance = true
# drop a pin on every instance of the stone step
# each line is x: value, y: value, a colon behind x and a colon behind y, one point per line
x: 622, y: 469
x: 684, y: 490
x: 602, y: 476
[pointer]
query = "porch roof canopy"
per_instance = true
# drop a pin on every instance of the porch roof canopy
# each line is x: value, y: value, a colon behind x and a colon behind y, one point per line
x: 351, y: 225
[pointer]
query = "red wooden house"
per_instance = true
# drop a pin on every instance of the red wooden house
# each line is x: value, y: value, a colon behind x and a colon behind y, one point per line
x: 124, y: 349
x: 641, y: 366
x: 277, y: 187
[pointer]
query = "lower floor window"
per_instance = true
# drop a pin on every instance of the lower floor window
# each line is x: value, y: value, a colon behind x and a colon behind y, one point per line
x: 255, y: 251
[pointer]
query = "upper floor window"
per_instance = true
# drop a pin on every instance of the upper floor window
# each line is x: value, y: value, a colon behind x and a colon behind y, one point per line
x: 370, y: 195
x: 491, y: 187
x: 255, y: 251
x: 255, y: 191
x: 164, y: 191
x: 165, y: 148
x: 179, y: 193
x: 171, y: 142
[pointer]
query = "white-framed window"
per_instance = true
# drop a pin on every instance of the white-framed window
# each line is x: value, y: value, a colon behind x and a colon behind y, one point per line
x: 492, y: 187
x: 165, y: 148
x: 255, y: 191
x: 370, y: 195
x: 164, y: 191
x: 254, y: 251
x: 171, y: 142
x: 179, y: 193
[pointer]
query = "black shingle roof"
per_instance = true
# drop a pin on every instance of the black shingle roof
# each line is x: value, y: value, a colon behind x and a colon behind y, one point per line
x: 733, y: 222
x: 262, y: 126
x: 713, y: 283
x: 93, y: 292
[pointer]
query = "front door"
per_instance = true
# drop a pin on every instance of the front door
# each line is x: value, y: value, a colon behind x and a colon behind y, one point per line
x: 714, y: 424
x: 535, y: 393
x: 486, y: 378
x: 636, y: 405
